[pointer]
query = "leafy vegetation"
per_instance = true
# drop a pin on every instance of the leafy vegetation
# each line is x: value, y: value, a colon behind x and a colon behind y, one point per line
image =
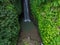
x: 47, y: 13
x: 9, y: 25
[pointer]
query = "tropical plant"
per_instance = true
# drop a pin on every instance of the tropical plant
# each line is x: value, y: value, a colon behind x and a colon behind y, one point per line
x: 47, y: 14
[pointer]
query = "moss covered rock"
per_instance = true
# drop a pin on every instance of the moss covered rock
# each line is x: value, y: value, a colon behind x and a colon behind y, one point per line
x: 47, y: 14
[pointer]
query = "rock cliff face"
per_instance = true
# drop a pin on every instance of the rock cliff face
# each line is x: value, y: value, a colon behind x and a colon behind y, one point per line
x: 9, y: 25
x: 47, y: 14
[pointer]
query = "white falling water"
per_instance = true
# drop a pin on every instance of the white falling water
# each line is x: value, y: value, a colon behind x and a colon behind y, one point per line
x: 26, y: 11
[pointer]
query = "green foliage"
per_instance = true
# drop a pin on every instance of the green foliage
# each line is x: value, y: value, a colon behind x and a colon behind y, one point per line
x: 9, y: 25
x: 17, y: 4
x: 47, y: 14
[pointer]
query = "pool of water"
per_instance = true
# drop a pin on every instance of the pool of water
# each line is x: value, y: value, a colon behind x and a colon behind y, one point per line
x: 27, y: 26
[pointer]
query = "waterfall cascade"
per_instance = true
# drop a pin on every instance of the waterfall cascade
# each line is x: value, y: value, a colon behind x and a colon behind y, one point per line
x: 26, y: 11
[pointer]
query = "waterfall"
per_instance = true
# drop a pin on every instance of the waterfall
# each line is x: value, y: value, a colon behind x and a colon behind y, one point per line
x: 26, y: 11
